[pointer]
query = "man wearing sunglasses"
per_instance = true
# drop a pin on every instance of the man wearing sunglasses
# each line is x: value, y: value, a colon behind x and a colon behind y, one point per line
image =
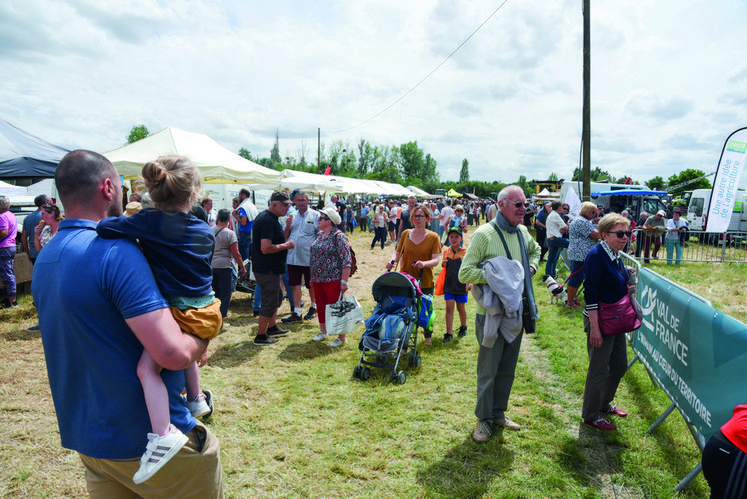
x: 500, y: 343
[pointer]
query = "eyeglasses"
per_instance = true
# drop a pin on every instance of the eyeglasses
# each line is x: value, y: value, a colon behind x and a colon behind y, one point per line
x: 322, y: 217
x: 519, y: 204
x: 621, y: 233
x: 418, y: 216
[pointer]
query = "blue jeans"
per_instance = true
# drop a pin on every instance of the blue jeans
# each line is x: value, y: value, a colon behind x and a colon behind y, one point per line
x: 288, y: 289
x: 673, y: 245
x: 555, y: 244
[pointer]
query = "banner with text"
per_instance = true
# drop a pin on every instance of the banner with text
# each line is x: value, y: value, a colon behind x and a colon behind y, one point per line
x: 726, y: 182
x: 696, y: 353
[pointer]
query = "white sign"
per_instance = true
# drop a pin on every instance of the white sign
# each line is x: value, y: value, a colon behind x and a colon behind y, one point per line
x: 725, y: 185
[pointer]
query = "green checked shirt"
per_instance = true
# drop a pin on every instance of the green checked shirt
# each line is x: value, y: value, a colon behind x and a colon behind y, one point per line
x: 486, y: 244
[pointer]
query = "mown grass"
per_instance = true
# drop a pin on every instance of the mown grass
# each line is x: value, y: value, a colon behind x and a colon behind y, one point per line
x: 292, y: 421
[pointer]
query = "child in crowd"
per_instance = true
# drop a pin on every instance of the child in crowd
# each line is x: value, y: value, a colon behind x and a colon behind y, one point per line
x: 454, y: 291
x: 179, y: 249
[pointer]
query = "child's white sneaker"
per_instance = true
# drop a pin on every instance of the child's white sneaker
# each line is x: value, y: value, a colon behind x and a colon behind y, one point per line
x: 158, y: 452
x: 199, y: 406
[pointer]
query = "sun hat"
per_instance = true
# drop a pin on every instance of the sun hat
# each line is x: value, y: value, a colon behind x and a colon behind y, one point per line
x: 661, y: 213
x: 332, y: 215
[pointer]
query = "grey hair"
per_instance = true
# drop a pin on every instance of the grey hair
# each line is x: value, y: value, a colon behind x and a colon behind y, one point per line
x: 4, y: 202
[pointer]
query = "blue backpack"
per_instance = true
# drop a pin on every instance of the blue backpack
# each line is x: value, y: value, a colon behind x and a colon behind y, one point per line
x: 425, y: 313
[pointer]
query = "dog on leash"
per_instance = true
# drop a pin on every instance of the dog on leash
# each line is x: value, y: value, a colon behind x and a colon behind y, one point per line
x: 558, y: 293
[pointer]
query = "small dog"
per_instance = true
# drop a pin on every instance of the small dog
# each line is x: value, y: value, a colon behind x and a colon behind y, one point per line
x: 558, y: 293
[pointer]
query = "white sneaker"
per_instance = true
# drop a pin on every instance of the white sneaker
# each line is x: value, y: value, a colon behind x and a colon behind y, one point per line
x: 158, y: 452
x: 320, y: 337
x: 336, y: 343
x: 199, y: 406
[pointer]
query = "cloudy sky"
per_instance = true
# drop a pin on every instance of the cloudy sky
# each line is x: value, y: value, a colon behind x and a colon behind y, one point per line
x: 669, y: 78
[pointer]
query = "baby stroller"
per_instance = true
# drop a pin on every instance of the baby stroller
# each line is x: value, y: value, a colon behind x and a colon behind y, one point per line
x: 391, y: 331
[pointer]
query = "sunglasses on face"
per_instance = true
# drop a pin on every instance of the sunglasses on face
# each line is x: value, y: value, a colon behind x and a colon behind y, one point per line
x: 621, y: 233
x: 323, y: 218
x: 519, y: 204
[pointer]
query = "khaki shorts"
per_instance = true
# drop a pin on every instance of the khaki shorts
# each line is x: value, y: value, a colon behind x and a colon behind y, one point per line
x: 203, y: 322
x: 194, y: 471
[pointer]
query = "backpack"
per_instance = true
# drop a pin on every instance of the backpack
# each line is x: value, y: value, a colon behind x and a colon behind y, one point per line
x: 425, y: 312
x: 353, y: 262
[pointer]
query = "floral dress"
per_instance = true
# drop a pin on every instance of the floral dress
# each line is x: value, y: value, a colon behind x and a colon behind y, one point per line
x: 329, y: 255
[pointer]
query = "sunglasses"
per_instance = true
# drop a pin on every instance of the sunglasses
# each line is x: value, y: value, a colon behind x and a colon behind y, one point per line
x: 621, y: 233
x: 519, y: 204
x: 322, y: 217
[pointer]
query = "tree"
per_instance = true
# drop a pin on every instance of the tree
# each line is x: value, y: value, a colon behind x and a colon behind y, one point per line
x: 553, y: 177
x: 275, y: 153
x: 137, y: 132
x: 685, y: 176
x: 656, y: 183
x: 244, y: 153
x: 464, y: 172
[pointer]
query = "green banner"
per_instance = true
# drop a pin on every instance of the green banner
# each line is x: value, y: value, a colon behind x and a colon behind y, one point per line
x: 696, y: 353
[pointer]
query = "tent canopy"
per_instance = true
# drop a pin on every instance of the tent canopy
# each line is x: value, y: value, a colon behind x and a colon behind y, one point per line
x: 25, y: 155
x: 314, y: 182
x: 420, y: 192
x: 453, y: 194
x: 217, y: 164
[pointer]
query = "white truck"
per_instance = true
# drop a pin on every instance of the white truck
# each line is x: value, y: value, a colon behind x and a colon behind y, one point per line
x: 697, y: 211
x: 634, y: 198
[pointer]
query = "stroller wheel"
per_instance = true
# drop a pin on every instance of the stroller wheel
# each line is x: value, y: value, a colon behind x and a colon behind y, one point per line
x: 416, y: 361
x: 402, y: 377
x: 365, y: 373
x: 393, y: 376
x: 357, y: 372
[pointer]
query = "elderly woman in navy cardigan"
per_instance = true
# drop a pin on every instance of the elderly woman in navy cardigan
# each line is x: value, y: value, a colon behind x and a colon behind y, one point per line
x: 606, y: 282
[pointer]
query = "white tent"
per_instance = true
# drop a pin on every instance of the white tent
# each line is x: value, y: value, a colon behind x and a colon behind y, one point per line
x: 311, y: 182
x: 420, y: 192
x: 217, y: 164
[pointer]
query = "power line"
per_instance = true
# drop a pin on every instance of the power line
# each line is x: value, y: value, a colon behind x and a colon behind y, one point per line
x: 400, y: 98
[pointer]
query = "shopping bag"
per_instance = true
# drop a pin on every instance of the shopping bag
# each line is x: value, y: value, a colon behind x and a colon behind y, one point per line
x: 440, y: 282
x: 343, y: 316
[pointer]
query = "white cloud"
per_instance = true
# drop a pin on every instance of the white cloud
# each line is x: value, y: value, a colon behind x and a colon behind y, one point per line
x: 668, y: 78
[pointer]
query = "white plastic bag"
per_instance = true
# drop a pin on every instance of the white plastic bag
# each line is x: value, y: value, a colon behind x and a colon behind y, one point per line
x: 343, y: 316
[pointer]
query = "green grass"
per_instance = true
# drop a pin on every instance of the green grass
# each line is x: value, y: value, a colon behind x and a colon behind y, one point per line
x: 292, y: 422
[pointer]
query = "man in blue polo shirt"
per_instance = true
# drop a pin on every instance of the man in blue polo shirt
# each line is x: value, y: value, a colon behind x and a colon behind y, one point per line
x: 99, y: 306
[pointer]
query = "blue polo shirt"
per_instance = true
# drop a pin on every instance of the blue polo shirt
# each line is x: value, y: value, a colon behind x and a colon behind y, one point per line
x: 84, y: 288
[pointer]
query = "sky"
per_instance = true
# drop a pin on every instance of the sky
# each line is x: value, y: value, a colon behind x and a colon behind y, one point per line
x: 668, y: 84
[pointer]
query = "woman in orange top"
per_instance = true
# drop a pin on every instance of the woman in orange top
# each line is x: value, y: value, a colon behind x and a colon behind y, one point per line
x: 417, y: 253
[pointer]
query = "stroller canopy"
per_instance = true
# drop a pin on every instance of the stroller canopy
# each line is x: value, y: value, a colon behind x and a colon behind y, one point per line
x: 393, y: 284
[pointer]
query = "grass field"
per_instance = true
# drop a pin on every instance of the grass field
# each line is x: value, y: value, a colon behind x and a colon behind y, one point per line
x: 292, y: 421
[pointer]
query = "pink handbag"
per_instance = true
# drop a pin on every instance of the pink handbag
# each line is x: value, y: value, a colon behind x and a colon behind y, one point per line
x: 619, y: 317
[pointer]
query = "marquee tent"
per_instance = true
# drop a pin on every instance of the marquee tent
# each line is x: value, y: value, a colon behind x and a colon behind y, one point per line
x: 420, y: 192
x: 23, y: 155
x: 314, y: 182
x: 453, y: 194
x: 217, y: 164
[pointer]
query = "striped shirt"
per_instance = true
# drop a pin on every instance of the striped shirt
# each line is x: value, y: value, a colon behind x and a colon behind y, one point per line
x: 486, y: 244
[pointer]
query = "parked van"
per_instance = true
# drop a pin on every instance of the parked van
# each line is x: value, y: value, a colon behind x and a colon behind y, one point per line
x: 697, y: 211
x: 634, y: 198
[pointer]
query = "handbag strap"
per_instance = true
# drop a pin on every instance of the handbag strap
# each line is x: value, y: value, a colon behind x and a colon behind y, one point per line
x: 503, y: 239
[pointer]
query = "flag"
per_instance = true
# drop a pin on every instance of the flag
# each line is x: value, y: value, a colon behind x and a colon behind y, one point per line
x: 726, y: 182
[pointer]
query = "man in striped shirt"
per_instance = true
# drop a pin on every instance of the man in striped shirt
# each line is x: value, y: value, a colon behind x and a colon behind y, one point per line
x: 496, y: 366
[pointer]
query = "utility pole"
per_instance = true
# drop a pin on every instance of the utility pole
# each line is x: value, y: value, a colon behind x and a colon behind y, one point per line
x: 319, y: 150
x: 586, y: 133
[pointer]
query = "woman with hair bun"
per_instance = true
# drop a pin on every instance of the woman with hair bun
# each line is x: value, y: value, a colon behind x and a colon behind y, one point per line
x: 179, y: 248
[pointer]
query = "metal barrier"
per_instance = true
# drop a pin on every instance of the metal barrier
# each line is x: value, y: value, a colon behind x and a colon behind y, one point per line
x: 710, y: 247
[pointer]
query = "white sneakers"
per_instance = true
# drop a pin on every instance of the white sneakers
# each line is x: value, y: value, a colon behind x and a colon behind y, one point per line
x: 336, y: 343
x: 199, y: 406
x: 158, y: 452
x: 320, y: 337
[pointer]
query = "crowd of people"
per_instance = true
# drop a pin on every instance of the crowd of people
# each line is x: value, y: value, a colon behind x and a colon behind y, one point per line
x: 186, y: 257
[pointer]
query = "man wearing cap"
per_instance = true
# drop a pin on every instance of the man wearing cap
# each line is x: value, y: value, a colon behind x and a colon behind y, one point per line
x: 674, y: 227
x: 269, y: 252
x: 301, y: 228
x: 555, y: 227
x: 653, y: 227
